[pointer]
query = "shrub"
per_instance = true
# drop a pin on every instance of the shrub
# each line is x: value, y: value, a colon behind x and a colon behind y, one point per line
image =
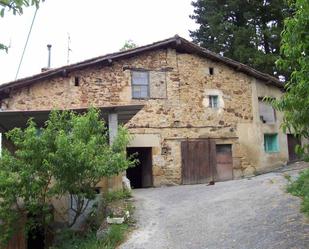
x: 69, y: 155
x: 300, y: 187
x: 114, y: 237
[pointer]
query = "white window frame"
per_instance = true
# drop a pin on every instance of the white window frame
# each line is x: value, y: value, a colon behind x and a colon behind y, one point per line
x: 213, y: 101
x: 140, y: 85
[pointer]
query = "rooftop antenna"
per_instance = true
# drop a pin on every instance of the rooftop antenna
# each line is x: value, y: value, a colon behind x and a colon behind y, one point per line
x: 69, y: 49
x: 49, y: 54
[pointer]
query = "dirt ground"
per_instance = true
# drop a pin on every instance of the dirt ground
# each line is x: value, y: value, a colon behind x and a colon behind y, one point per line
x: 254, y: 213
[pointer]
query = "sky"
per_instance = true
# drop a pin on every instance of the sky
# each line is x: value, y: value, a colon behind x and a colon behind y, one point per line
x: 95, y: 27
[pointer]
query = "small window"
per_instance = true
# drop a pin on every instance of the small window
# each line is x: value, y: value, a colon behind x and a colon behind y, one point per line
x: 213, y: 101
x: 224, y: 148
x: 267, y: 112
x: 140, y: 84
x: 211, y: 71
x: 271, y: 143
x: 76, y: 81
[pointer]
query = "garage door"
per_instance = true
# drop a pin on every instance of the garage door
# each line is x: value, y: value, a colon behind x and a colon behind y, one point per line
x: 198, y: 161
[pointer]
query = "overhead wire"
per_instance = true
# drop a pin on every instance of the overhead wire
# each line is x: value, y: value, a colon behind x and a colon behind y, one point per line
x: 25, y: 47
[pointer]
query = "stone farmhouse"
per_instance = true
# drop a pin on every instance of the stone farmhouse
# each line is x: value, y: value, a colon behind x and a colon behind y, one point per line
x: 196, y: 116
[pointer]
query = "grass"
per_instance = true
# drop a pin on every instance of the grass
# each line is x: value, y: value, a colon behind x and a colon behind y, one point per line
x: 115, y: 236
x: 300, y: 188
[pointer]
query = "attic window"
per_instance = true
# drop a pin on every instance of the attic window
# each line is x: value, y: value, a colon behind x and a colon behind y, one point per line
x: 211, y: 71
x: 76, y: 81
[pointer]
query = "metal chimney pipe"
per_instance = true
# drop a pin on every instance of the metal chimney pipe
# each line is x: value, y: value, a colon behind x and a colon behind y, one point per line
x: 49, y: 54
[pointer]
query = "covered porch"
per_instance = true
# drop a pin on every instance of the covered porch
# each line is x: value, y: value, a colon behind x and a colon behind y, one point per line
x: 112, y: 115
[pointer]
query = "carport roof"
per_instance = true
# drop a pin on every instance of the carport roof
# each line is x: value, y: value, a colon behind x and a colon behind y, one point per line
x: 12, y: 119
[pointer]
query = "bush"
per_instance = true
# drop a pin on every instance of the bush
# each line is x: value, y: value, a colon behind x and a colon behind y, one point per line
x: 117, y: 195
x: 68, y: 156
x: 300, y: 188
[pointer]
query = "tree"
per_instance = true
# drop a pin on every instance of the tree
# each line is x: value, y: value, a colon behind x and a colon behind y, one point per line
x: 246, y: 31
x: 16, y: 6
x: 129, y: 44
x: 295, y: 57
x: 70, y: 155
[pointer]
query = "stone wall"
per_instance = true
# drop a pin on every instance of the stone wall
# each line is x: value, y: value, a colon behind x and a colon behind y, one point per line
x: 179, y: 112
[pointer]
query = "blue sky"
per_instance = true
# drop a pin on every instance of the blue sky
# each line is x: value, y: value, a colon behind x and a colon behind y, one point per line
x: 95, y: 28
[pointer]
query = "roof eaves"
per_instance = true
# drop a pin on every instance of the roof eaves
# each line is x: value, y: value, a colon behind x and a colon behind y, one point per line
x: 176, y: 41
x: 76, y: 66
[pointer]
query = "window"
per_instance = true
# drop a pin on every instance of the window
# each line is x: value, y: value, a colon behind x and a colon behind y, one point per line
x: 76, y: 81
x: 267, y: 112
x: 271, y: 143
x: 213, y: 101
x: 211, y: 71
x: 140, y: 84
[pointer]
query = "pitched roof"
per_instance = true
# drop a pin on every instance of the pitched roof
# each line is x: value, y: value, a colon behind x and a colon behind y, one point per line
x: 179, y: 43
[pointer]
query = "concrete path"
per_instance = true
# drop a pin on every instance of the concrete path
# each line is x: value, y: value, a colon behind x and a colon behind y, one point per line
x: 252, y: 213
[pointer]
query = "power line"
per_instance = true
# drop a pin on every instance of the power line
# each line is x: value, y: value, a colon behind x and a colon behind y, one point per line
x: 22, y: 56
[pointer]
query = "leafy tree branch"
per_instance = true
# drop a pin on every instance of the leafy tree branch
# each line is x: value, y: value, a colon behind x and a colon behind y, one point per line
x: 69, y: 156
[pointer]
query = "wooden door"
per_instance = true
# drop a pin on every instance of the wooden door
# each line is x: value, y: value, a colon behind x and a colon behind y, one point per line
x: 147, y: 168
x: 292, y: 143
x: 224, y: 162
x: 198, y: 161
x: 18, y: 240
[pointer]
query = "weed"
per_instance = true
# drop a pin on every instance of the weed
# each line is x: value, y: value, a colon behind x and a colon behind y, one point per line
x: 117, y: 195
x: 287, y: 177
x: 114, y: 237
x: 300, y: 187
x: 116, y: 234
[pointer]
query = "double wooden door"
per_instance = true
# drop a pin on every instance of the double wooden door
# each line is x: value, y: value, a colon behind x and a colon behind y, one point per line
x: 203, y: 161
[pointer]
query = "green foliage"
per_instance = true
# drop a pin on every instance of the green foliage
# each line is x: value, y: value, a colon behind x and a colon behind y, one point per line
x: 70, y: 155
x: 300, y: 188
x: 246, y: 31
x: 114, y: 237
x: 4, y: 47
x: 116, y: 234
x: 17, y: 6
x: 129, y: 44
x: 117, y: 195
x: 295, y: 58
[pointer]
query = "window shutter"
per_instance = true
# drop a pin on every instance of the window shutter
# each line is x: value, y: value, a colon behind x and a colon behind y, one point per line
x: 267, y: 112
x: 157, y: 85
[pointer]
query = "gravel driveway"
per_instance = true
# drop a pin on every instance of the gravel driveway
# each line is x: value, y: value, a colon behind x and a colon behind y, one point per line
x: 243, y: 214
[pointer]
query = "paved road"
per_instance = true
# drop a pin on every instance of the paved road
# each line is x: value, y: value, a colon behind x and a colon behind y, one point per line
x: 241, y: 214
